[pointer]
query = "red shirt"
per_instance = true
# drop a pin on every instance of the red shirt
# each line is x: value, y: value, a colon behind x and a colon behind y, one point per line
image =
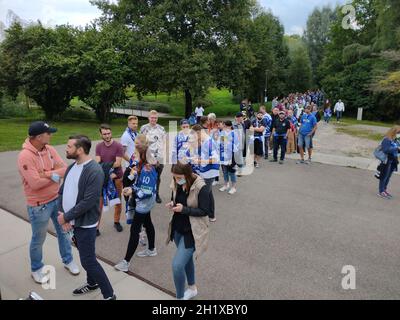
x: 110, y: 154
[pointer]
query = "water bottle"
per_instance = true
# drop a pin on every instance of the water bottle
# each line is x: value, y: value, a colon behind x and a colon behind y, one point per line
x: 129, y: 216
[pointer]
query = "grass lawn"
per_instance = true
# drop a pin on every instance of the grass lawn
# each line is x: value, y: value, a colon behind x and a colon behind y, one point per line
x: 222, y: 103
x: 354, y: 121
x: 13, y: 132
x: 361, y: 133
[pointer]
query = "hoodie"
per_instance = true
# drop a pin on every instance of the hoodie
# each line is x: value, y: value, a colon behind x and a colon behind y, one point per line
x: 30, y: 162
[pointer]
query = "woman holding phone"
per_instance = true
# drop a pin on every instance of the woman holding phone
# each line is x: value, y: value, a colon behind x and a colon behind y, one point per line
x: 190, y: 205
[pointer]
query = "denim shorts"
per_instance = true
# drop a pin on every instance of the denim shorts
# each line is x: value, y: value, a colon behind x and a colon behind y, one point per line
x: 304, y: 140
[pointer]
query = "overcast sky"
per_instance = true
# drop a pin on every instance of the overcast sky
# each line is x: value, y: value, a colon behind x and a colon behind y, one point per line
x: 292, y: 13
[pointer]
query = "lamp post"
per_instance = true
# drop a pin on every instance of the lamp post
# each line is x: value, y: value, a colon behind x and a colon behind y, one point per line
x: 265, y: 90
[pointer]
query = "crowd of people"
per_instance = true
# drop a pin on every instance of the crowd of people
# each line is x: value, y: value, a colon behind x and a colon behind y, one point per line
x: 74, y: 196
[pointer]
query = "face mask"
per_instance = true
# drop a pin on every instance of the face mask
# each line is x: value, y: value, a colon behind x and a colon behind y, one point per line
x: 181, y: 182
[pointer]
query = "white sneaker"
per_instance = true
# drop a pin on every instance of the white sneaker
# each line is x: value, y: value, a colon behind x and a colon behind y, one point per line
x: 39, y: 277
x: 147, y: 253
x: 215, y: 183
x: 189, y: 294
x: 122, y: 266
x: 232, y: 191
x: 72, y: 267
x: 224, y: 188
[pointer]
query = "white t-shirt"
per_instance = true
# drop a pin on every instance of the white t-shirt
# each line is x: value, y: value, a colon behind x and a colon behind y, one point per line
x: 128, y: 141
x: 339, y: 106
x: 199, y: 111
x: 70, y: 193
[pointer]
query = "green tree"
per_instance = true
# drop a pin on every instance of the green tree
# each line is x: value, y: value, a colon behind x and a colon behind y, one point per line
x: 42, y: 62
x: 183, y: 39
x: 388, y: 24
x: 299, y: 74
x: 103, y: 69
x: 317, y: 35
x: 265, y: 38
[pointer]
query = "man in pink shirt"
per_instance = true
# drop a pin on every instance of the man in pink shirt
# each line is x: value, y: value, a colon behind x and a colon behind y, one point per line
x: 41, y: 169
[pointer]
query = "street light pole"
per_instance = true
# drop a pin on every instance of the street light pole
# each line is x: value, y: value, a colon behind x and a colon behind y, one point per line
x: 266, y: 81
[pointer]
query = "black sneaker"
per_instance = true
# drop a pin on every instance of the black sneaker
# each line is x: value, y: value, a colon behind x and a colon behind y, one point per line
x: 158, y: 199
x: 98, y: 233
x: 273, y: 160
x: 114, y: 297
x: 280, y: 161
x: 86, y: 288
x: 118, y: 226
x: 266, y: 157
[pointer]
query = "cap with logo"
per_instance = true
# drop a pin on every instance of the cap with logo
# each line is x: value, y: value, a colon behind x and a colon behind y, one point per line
x: 39, y: 127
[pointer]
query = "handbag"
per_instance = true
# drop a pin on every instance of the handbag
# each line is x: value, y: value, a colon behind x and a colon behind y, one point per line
x: 380, y: 155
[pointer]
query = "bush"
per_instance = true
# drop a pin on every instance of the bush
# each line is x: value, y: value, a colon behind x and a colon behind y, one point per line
x: 10, y: 108
x: 202, y: 102
x: 355, y: 52
x: 78, y: 113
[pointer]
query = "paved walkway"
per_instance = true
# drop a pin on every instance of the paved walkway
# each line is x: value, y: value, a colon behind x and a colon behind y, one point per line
x: 286, y: 234
x: 16, y: 282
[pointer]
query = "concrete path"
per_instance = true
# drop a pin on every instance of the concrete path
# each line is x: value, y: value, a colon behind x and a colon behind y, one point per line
x: 16, y: 282
x: 286, y: 234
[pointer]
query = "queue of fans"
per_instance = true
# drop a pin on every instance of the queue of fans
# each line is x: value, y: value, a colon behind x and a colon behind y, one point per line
x: 74, y: 197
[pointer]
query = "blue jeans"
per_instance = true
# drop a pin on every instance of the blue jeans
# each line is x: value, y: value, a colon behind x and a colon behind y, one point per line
x: 85, y: 242
x: 182, y: 265
x: 228, y: 175
x: 385, y: 176
x: 39, y: 217
x: 339, y: 115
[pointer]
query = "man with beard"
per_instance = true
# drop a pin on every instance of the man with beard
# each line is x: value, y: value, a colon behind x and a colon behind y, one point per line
x: 79, y: 210
x: 41, y: 169
x: 110, y: 151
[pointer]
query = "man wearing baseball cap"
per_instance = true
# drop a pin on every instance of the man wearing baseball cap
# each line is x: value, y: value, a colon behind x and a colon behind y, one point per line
x: 41, y: 169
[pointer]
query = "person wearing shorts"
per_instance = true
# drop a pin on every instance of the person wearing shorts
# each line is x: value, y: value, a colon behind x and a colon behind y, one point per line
x: 308, y: 126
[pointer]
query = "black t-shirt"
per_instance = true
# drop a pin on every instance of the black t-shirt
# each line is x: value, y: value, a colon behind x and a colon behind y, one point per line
x: 274, y: 117
x: 281, y: 127
x: 180, y: 221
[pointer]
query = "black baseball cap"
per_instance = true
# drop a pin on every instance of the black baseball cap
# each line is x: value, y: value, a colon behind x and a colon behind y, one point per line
x: 239, y: 114
x: 39, y: 127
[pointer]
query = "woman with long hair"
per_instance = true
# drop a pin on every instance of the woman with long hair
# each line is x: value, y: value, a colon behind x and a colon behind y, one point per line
x: 188, y: 228
x: 390, y: 146
x: 142, y: 199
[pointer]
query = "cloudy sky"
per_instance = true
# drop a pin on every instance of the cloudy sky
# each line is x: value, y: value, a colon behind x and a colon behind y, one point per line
x: 292, y: 13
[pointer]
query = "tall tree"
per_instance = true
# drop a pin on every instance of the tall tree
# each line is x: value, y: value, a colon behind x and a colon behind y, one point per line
x: 388, y: 24
x: 265, y: 37
x: 42, y: 62
x: 183, y: 38
x: 103, y: 68
x: 316, y: 36
x: 299, y: 74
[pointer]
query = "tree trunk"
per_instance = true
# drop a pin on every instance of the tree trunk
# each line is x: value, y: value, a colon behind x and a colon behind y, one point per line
x: 103, y: 113
x: 188, y: 103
